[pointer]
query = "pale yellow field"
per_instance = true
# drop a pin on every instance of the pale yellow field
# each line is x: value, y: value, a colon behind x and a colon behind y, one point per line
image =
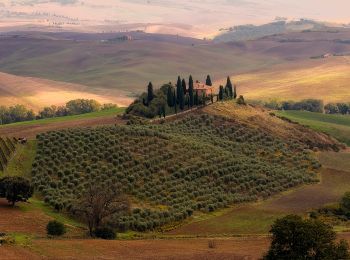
x: 326, y: 79
x: 36, y: 93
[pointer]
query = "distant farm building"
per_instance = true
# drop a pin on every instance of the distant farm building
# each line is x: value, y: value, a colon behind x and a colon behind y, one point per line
x: 201, y: 88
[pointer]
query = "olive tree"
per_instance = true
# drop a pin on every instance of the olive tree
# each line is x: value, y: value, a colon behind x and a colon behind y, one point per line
x: 98, y: 202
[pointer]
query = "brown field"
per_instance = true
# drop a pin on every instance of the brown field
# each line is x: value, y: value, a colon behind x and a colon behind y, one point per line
x: 325, y: 79
x: 31, y: 130
x: 16, y: 220
x: 35, y: 93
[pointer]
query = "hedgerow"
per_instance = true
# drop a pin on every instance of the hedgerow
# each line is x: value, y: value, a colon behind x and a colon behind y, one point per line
x: 198, y: 163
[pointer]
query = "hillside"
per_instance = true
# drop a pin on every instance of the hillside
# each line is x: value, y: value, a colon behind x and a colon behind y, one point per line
x: 35, y: 93
x: 200, y: 162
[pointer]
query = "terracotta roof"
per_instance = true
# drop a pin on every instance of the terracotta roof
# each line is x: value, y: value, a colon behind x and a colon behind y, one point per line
x: 201, y: 86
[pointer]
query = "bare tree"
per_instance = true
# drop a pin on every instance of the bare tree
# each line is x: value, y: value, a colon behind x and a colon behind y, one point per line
x: 99, y: 202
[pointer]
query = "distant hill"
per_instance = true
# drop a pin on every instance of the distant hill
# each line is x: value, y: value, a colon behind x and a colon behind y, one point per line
x: 252, y: 32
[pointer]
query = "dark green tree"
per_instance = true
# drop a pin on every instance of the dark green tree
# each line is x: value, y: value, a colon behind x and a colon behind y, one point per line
x: 298, y: 239
x: 190, y: 91
x: 208, y: 81
x: 184, y: 86
x: 55, y: 228
x: 175, y: 101
x: 150, y: 93
x: 178, y: 89
x: 15, y: 189
x: 181, y: 98
x: 241, y: 101
x: 234, y: 92
x: 229, y: 88
x: 170, y: 96
x: 196, y: 99
x: 221, y: 93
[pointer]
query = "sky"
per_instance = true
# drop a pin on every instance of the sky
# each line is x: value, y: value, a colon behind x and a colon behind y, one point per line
x: 194, y: 16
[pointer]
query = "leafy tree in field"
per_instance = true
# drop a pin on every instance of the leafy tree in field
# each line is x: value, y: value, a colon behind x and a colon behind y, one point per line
x: 221, y: 93
x: 208, y: 81
x: 99, y: 202
x: 150, y: 93
x: 295, y: 238
x: 15, y: 189
x: 343, y: 108
x: 190, y: 91
x: 81, y: 106
x: 345, y: 204
x: 170, y: 96
x: 55, y: 228
x: 184, y: 87
x: 330, y: 108
x: 241, y: 101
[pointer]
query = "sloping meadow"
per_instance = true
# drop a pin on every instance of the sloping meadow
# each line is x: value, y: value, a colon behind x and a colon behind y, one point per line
x: 198, y: 163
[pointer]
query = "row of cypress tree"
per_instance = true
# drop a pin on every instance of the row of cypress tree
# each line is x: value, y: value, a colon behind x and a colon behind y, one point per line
x: 183, y: 94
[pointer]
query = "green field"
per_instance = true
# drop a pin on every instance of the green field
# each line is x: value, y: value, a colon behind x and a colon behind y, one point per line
x: 103, y: 113
x: 337, y: 126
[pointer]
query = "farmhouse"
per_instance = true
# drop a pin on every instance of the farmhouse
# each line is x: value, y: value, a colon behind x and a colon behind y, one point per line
x: 201, y: 88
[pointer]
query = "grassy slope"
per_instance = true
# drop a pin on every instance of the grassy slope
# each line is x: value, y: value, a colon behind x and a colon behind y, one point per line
x: 109, y: 112
x: 337, y: 126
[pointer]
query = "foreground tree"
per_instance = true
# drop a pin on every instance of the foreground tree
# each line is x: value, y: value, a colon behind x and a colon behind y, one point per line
x: 99, y: 202
x: 295, y: 238
x: 170, y: 96
x: 15, y: 189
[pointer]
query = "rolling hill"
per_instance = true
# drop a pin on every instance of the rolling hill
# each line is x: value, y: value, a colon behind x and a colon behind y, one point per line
x: 278, y: 66
x: 35, y: 93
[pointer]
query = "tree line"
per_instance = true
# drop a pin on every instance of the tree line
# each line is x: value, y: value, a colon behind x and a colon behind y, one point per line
x: 171, y: 99
x: 311, y: 105
x: 19, y: 113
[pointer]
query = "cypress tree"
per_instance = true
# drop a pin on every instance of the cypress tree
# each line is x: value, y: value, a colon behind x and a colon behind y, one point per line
x: 196, y: 101
x: 178, y: 89
x: 211, y: 98
x: 221, y: 93
x: 229, y: 87
x: 208, y: 81
x: 150, y: 94
x: 170, y: 96
x: 184, y: 87
x: 235, y: 92
x: 190, y: 91
x: 203, y: 98
x: 181, y: 98
x: 174, y: 101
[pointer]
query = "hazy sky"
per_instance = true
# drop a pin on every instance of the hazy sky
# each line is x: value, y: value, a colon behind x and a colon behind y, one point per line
x: 208, y: 15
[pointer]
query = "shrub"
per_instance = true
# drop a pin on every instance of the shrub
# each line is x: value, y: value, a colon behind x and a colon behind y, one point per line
x: 105, y: 233
x: 55, y: 228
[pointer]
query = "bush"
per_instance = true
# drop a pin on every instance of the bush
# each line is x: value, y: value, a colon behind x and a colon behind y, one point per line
x: 55, y: 228
x: 105, y: 233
